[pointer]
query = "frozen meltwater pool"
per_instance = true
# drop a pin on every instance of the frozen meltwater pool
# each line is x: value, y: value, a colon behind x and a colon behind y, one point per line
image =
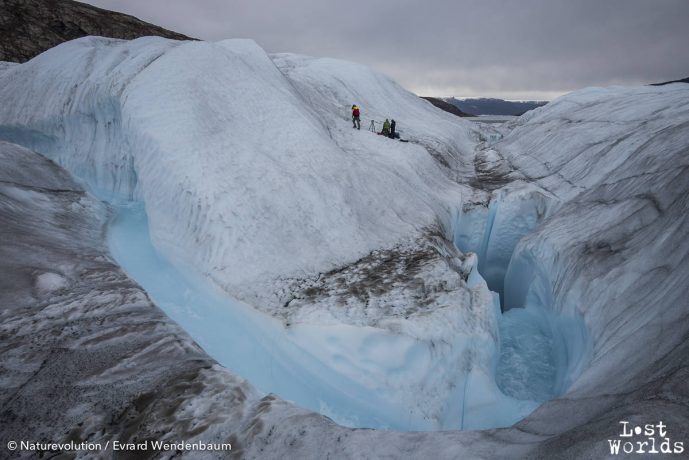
x: 358, y: 376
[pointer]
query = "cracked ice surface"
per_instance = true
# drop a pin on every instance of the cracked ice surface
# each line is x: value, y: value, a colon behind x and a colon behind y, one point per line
x: 97, y: 361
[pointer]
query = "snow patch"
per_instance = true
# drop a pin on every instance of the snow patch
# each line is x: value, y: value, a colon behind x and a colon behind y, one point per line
x: 49, y: 282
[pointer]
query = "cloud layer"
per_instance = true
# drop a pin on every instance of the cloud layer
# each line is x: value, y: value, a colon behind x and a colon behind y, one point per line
x: 513, y: 49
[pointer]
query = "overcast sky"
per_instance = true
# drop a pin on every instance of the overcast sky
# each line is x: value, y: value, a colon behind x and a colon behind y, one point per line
x: 514, y: 49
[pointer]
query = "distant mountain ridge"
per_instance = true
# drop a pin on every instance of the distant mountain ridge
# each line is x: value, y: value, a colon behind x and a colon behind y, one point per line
x: 493, y: 106
x: 29, y: 27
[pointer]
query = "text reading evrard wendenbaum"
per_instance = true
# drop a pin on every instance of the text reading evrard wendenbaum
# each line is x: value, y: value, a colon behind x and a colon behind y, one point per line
x: 118, y: 446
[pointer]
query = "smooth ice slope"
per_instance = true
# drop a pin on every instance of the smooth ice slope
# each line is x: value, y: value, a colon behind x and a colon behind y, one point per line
x: 240, y: 176
x: 331, y: 86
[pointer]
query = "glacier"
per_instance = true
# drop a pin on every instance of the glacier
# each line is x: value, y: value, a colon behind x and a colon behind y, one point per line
x: 516, y: 264
x: 279, y: 218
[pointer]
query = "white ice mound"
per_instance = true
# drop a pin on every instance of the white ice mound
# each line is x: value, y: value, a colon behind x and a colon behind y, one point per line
x: 243, y: 177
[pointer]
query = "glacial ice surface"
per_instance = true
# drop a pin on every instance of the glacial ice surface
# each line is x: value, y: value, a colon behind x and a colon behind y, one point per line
x: 257, y: 214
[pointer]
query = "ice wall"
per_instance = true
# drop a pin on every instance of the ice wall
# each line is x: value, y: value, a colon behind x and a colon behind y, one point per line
x: 541, y: 352
x: 612, y: 253
x: 492, y: 229
x: 598, y: 268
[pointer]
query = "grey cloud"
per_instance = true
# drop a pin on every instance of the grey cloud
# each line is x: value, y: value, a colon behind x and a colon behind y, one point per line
x: 456, y: 47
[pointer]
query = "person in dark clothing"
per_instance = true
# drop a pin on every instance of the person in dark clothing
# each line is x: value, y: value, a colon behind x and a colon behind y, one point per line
x: 392, y: 129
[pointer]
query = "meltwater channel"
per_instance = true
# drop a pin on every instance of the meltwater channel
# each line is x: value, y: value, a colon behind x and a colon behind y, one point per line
x: 279, y: 360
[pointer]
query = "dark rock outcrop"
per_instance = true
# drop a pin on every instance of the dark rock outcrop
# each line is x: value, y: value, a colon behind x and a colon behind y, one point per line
x: 683, y: 80
x: 30, y: 27
x: 442, y: 105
